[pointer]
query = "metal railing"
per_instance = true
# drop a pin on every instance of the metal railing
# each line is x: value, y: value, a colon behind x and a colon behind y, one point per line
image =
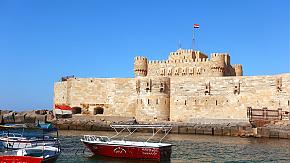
x: 267, y: 114
x: 132, y: 128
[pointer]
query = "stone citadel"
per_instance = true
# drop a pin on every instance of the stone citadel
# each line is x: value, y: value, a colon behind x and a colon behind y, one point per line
x: 186, y: 87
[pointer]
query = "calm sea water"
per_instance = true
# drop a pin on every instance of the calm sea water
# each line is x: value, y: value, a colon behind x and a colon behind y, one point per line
x: 188, y: 148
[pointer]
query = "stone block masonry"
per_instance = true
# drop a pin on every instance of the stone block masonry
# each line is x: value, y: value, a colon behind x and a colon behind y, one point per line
x: 225, y: 97
x: 187, y: 87
x: 92, y: 96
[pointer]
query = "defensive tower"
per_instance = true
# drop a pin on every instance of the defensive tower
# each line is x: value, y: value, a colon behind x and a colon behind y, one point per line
x: 218, y: 64
x: 238, y: 69
x: 140, y: 66
x: 153, y: 98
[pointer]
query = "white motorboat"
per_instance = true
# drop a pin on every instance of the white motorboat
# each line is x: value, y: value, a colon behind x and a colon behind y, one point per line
x: 16, y: 140
x: 105, y: 146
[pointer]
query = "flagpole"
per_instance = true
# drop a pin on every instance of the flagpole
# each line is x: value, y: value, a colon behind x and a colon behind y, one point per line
x: 193, y: 39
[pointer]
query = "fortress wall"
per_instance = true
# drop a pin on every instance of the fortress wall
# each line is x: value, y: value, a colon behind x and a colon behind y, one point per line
x: 228, y: 97
x: 88, y: 91
x: 123, y: 97
x: 60, y: 93
x: 115, y: 96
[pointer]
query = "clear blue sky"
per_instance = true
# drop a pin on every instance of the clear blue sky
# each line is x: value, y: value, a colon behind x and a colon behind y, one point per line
x: 43, y: 40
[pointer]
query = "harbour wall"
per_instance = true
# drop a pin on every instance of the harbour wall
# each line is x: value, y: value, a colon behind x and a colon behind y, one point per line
x: 207, y: 127
x: 214, y: 127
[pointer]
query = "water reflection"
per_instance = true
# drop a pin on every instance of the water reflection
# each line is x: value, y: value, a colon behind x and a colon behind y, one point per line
x: 188, y: 148
x: 101, y: 159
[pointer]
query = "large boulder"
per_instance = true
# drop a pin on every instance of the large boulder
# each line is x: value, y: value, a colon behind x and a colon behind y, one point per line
x: 9, y: 117
x: 2, y: 112
x: 40, y: 118
x: 62, y: 124
x: 30, y: 117
x: 19, y: 117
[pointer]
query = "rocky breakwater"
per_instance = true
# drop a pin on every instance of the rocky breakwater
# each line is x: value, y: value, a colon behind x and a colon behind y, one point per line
x: 34, y: 116
x: 91, y: 123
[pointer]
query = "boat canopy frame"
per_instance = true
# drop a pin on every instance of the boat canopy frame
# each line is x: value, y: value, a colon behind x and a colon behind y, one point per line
x: 132, y: 128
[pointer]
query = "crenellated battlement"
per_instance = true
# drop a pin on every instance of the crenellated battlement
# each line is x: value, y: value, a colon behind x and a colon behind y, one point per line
x: 221, y: 56
x: 199, y: 64
x: 140, y: 58
x: 237, y: 65
x: 218, y: 55
x: 188, y: 54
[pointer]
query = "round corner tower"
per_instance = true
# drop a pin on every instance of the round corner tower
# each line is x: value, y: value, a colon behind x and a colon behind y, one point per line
x: 153, y: 99
x: 238, y: 70
x: 218, y: 64
x: 140, y: 66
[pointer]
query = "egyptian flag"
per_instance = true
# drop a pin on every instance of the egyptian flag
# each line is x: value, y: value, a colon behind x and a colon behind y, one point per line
x: 195, y: 25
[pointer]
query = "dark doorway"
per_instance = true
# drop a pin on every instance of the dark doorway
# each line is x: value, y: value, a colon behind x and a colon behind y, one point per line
x: 76, y: 110
x: 98, y: 110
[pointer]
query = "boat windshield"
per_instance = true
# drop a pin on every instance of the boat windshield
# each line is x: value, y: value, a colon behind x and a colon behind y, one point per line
x: 104, y: 139
x: 96, y: 138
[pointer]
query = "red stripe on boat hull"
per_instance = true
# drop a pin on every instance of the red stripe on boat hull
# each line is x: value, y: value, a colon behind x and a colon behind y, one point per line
x: 21, y: 159
x: 27, y: 159
x: 135, y: 152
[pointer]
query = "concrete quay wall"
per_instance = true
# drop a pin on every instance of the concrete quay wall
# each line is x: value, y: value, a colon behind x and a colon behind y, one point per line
x: 218, y: 128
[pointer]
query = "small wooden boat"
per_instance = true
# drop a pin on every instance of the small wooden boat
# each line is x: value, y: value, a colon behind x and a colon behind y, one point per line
x: 105, y: 146
x: 38, y: 154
